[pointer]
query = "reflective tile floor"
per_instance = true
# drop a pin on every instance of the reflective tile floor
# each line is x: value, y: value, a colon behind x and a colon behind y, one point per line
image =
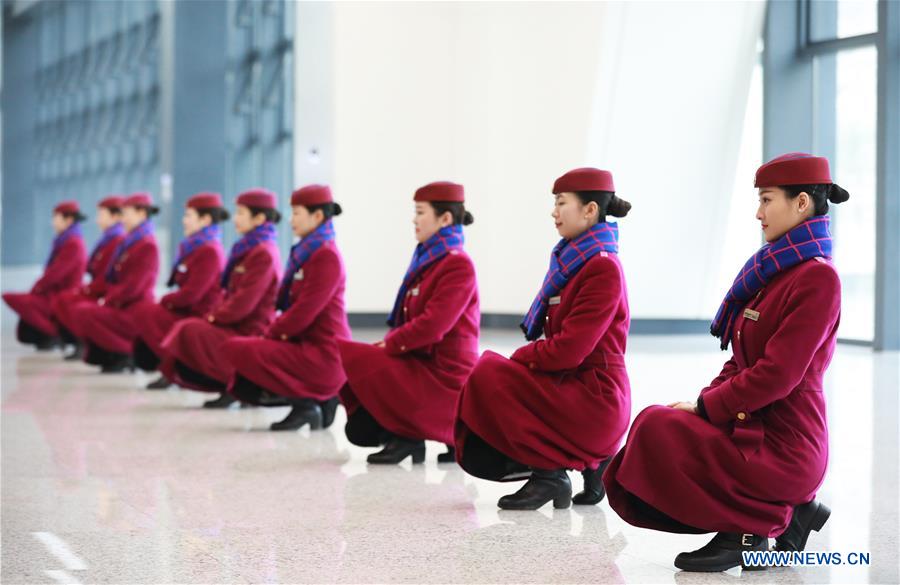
x: 103, y: 482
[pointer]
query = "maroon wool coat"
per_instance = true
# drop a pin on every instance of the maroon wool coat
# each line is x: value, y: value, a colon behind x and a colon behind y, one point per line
x: 764, y: 448
x: 298, y: 356
x: 411, y: 385
x: 111, y: 326
x: 64, y: 306
x: 197, y: 278
x: 63, y: 274
x: 246, y: 309
x: 563, y: 401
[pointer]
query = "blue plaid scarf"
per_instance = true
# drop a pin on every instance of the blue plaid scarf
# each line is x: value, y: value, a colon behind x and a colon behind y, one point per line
x: 73, y: 231
x: 258, y: 235
x: 806, y: 241
x: 145, y: 230
x: 568, y: 257
x: 300, y: 253
x: 191, y: 243
x: 112, y: 232
x: 436, y: 247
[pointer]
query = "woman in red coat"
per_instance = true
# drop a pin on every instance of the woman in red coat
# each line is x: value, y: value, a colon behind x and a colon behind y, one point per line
x: 196, y: 272
x: 108, y: 327
x: 296, y: 361
x: 65, y: 305
x: 747, y: 458
x: 63, y: 272
x: 192, y: 350
x: 561, y: 402
x: 403, y: 390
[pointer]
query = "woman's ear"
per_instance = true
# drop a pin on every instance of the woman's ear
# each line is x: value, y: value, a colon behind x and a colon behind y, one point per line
x: 590, y: 209
x: 803, y: 202
x: 446, y: 219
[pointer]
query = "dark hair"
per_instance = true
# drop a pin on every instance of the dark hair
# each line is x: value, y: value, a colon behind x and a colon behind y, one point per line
x: 606, y: 201
x: 271, y: 214
x: 216, y: 214
x: 150, y: 209
x: 75, y: 217
x: 456, y: 209
x: 113, y: 210
x: 821, y: 194
x: 329, y: 210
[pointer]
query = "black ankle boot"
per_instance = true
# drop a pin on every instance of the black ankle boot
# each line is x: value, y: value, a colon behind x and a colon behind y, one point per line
x: 116, y: 363
x: 47, y: 343
x: 223, y: 401
x: 593, y: 492
x: 161, y: 383
x: 541, y: 487
x: 449, y: 456
x: 721, y: 553
x: 301, y: 414
x: 806, y: 518
x: 77, y: 353
x: 329, y: 410
x: 398, y: 449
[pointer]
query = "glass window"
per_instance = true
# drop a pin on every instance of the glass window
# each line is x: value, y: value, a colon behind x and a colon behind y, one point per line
x: 838, y: 19
x: 852, y: 108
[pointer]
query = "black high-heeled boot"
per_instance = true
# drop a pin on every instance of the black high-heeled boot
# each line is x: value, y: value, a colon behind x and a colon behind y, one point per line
x: 593, y: 492
x: 542, y: 487
x: 721, y: 553
x: 398, y: 449
x: 77, y: 353
x: 449, y: 456
x: 116, y: 363
x: 806, y: 518
x: 307, y: 412
x: 329, y: 410
x: 224, y: 400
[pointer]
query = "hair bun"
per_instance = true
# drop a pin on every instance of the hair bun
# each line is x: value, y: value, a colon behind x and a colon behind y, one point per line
x: 338, y: 209
x: 618, y: 207
x: 468, y: 218
x: 837, y: 194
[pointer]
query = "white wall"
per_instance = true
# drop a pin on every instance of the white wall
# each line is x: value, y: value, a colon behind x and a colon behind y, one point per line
x: 504, y: 97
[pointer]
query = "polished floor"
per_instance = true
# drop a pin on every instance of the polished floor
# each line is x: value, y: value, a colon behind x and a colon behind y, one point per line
x: 103, y: 482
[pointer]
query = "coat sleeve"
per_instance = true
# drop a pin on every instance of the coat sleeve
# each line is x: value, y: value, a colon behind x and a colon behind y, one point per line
x: 203, y: 274
x: 321, y: 279
x: 809, y: 317
x: 593, y: 311
x: 63, y: 267
x: 238, y: 305
x: 140, y: 276
x: 453, y: 290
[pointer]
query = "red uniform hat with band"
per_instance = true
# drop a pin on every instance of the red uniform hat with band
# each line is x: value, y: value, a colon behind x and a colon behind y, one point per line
x: 794, y: 168
x: 584, y: 179
x: 139, y: 199
x: 258, y: 198
x: 311, y: 195
x: 67, y: 207
x: 205, y: 201
x: 112, y: 202
x: 441, y: 191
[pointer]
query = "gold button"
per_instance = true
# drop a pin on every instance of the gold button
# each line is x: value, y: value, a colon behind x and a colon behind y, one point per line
x: 210, y: 318
x: 283, y: 337
x: 402, y: 348
x: 741, y: 415
x: 532, y: 365
x: 739, y: 334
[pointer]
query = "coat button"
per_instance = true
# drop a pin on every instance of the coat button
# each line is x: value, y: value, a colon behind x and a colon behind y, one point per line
x: 739, y: 334
x: 532, y: 365
x: 283, y: 337
x: 741, y: 415
x: 211, y: 319
x: 402, y: 348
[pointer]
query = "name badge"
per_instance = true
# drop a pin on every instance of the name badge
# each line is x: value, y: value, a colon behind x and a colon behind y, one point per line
x: 182, y: 268
x: 554, y: 300
x: 298, y: 275
x: 751, y: 314
x: 415, y: 292
x: 240, y: 269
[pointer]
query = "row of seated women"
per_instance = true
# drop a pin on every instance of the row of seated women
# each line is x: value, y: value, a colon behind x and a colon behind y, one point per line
x: 744, y: 460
